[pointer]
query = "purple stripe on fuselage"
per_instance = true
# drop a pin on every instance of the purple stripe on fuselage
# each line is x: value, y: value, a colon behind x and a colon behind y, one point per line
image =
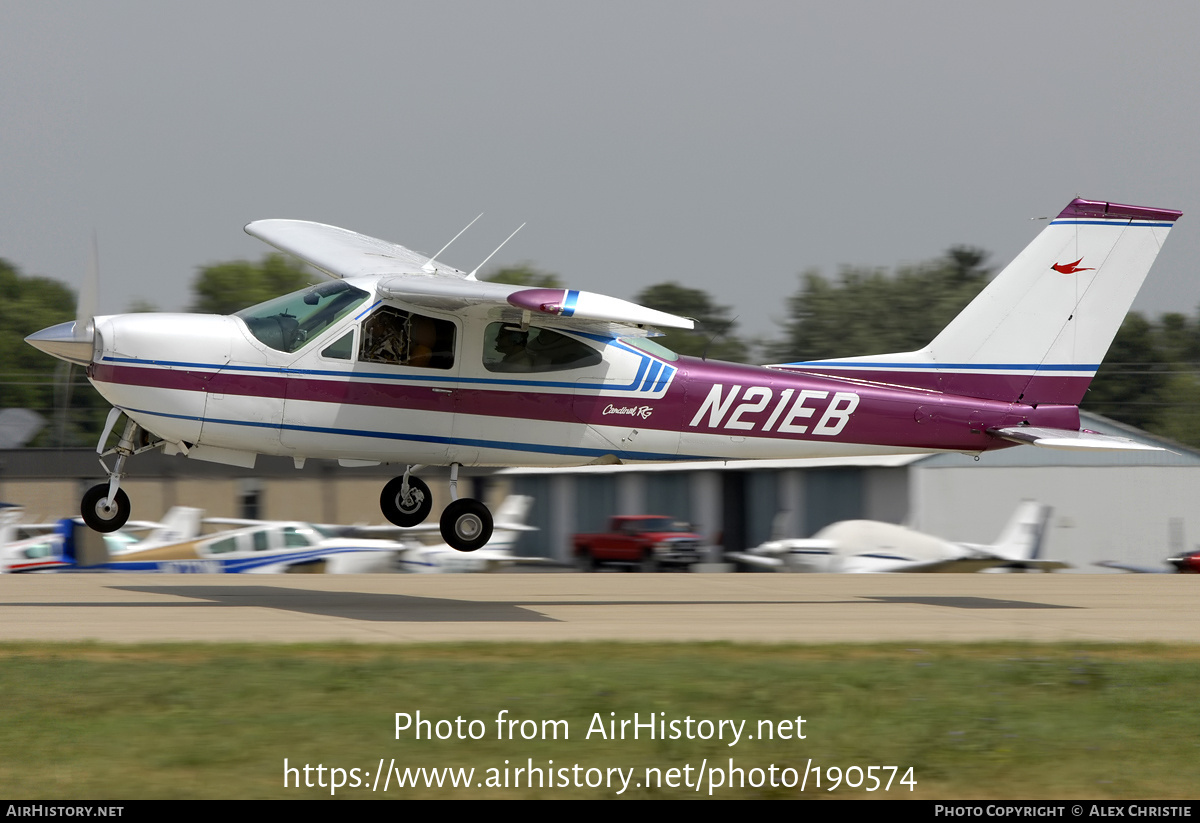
x: 1029, y: 388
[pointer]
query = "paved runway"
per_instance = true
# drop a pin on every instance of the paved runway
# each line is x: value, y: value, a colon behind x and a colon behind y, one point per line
x: 796, y: 608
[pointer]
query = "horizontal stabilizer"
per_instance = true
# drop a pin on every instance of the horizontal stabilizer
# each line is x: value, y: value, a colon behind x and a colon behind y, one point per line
x: 1069, y: 439
x: 772, y: 563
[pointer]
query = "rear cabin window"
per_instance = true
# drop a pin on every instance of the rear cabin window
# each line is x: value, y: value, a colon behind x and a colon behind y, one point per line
x: 508, y: 348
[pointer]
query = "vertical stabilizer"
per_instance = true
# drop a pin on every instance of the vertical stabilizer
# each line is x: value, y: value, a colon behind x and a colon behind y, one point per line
x: 179, y: 523
x: 1022, y: 537
x: 1039, y: 330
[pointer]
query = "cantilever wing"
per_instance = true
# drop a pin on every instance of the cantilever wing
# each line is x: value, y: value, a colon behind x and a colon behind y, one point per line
x: 339, y: 252
x: 407, y: 275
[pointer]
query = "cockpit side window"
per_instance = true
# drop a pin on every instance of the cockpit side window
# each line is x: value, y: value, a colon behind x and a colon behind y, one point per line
x: 399, y: 338
x: 287, y: 323
x: 508, y: 348
x: 342, y: 348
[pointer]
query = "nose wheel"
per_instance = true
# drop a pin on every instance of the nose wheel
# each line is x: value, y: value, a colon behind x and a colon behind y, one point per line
x: 101, y: 514
x: 105, y: 506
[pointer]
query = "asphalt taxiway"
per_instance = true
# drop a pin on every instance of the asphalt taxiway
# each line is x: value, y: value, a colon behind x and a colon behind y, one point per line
x: 777, y: 608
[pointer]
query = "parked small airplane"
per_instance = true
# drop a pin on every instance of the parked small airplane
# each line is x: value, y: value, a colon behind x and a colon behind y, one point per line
x: 871, y: 546
x: 401, y: 359
x: 265, y: 547
x: 42, y: 547
x: 1179, y: 561
x: 1184, y: 563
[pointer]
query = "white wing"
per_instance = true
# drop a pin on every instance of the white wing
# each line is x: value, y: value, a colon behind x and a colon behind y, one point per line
x: 339, y: 252
x: 402, y: 274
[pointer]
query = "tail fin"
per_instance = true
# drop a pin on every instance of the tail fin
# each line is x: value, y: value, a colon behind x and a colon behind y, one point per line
x: 179, y: 523
x: 510, y: 521
x: 1039, y: 330
x: 1022, y: 537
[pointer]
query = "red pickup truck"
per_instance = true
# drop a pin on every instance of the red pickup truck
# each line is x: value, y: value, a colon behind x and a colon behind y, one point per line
x: 645, y: 541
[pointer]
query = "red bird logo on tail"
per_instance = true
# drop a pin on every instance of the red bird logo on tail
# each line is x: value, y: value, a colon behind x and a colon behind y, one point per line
x: 1070, y: 268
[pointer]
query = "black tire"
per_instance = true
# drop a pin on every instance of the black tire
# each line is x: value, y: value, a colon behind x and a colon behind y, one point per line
x: 649, y: 562
x: 101, y: 518
x: 408, y: 511
x: 466, y: 525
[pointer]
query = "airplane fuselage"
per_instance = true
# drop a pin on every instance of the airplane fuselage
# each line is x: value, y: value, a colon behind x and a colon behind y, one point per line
x: 209, y: 387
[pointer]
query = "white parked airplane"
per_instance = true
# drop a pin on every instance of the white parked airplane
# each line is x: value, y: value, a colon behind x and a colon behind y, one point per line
x: 871, y: 546
x: 43, y: 547
x: 401, y: 359
x: 420, y: 557
x: 263, y: 548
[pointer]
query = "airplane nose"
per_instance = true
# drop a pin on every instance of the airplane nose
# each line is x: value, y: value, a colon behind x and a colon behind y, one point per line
x: 65, y: 342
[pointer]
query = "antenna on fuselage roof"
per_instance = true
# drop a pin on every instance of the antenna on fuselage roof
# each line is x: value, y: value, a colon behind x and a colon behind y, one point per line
x: 430, y: 264
x: 713, y: 339
x: 475, y: 270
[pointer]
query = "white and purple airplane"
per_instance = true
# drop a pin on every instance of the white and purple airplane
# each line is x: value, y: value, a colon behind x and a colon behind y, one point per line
x: 401, y: 359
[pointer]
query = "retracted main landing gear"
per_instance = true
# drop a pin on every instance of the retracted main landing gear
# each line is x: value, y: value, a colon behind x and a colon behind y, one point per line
x: 105, y: 507
x: 465, y: 524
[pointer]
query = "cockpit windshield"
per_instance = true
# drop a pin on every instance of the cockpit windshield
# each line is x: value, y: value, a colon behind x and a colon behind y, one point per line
x: 287, y: 323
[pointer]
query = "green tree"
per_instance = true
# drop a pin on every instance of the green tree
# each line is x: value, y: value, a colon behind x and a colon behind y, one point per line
x: 525, y: 276
x: 1128, y: 385
x: 33, y: 380
x: 869, y: 312
x: 1179, y: 413
x: 713, y: 335
x: 1179, y: 409
x: 225, y: 288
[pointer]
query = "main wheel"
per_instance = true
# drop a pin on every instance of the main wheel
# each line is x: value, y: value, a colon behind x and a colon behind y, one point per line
x: 99, y: 514
x: 406, y: 510
x: 466, y: 525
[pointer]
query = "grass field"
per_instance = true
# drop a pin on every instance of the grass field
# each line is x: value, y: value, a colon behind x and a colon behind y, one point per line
x: 971, y: 721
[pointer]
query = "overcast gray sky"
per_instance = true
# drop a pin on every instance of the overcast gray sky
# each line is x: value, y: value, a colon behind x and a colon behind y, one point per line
x: 724, y: 145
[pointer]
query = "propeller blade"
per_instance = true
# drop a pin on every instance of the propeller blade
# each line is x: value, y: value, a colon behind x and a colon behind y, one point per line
x: 73, y: 341
x: 85, y: 307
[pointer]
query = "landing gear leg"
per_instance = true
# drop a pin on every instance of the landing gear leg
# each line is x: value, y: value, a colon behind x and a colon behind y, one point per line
x: 406, y: 501
x: 105, y: 507
x: 466, y: 524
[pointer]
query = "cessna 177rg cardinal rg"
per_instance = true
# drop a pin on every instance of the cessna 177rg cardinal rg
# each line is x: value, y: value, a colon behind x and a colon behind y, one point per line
x: 400, y: 359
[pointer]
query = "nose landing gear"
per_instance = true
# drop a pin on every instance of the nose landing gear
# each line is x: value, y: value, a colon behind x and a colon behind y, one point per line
x: 103, y: 512
x: 105, y: 507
